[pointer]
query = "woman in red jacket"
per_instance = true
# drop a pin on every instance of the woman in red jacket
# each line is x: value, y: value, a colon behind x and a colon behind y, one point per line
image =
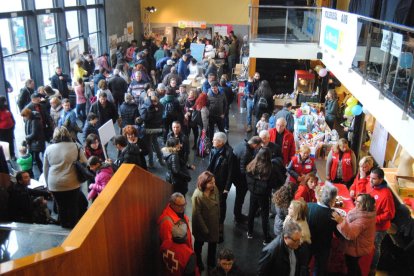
x: 306, y: 189
x: 300, y: 165
x: 7, y: 124
x: 362, y: 180
x: 358, y: 228
x: 341, y: 164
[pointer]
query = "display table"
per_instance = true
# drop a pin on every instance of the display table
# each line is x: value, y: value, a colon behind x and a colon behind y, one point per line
x: 307, y: 97
x: 281, y: 102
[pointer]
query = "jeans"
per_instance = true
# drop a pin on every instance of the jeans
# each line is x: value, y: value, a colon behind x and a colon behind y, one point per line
x: 249, y: 105
x: 379, y: 236
x: 81, y: 112
x: 153, y: 145
x: 261, y: 201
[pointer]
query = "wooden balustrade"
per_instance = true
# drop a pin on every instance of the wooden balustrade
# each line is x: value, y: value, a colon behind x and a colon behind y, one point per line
x: 117, y: 236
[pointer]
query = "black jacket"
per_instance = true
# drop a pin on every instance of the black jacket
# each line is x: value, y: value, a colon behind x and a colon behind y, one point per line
x: 274, y: 259
x: 24, y: 97
x: 177, y: 172
x: 151, y: 114
x: 259, y: 185
x: 61, y: 85
x: 118, y: 86
x: 243, y: 154
x: 221, y: 165
x: 129, y: 112
x: 104, y: 113
x: 34, y: 133
x: 89, y: 129
x: 234, y: 271
x: 185, y: 149
x: 131, y: 154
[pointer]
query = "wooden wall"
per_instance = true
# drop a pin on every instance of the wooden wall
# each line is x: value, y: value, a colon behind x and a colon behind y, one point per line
x: 117, y: 236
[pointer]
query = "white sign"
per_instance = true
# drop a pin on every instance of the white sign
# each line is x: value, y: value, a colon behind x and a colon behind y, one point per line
x: 192, y: 24
x: 386, y: 40
x: 106, y: 132
x: 396, y: 44
x: 379, y: 140
x: 338, y: 34
x: 221, y: 30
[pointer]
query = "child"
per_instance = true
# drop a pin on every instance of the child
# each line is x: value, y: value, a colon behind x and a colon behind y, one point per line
x: 25, y: 161
x: 272, y: 119
x: 225, y: 264
x: 90, y: 125
x: 306, y: 189
x: 263, y: 124
x: 41, y: 214
x: 104, y: 173
x: 297, y: 212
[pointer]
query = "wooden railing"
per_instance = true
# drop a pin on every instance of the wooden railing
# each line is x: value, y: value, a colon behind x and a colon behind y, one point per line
x: 116, y: 236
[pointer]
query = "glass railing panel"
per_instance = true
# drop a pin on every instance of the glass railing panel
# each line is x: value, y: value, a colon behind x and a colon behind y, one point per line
x: 287, y: 24
x: 18, y: 240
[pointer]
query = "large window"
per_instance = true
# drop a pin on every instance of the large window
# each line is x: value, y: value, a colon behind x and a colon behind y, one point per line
x: 72, y: 24
x: 49, y: 62
x: 14, y: 5
x: 42, y: 4
x: 13, y: 35
x: 47, y: 30
x: 92, y: 24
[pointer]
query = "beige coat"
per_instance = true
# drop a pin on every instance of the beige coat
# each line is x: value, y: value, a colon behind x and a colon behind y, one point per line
x: 206, y: 214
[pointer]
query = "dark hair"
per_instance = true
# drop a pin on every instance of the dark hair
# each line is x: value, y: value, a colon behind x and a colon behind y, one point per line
x: 308, y: 177
x: 226, y: 254
x: 120, y: 140
x: 379, y: 172
x: 283, y: 196
x: 102, y: 71
x: 264, y: 89
x: 90, y: 139
x: 214, y: 83
x: 204, y: 178
x: 91, y: 116
x: 94, y: 160
x: 266, y: 116
x: 65, y: 100
x: 223, y: 82
x: 19, y: 176
x: 262, y: 164
x: 3, y: 102
x: 103, y: 95
x: 287, y: 104
x: 171, y: 142
x: 368, y: 202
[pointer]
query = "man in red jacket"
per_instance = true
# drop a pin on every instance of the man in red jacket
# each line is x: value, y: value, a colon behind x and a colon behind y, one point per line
x: 172, y: 214
x: 177, y: 256
x: 384, y: 202
x: 284, y: 138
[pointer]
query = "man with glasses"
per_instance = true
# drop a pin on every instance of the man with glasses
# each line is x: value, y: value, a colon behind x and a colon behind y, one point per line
x: 172, y: 214
x: 280, y: 255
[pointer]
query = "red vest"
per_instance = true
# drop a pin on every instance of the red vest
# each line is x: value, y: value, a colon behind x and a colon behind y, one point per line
x: 346, y: 163
x: 288, y: 144
x: 301, y: 168
x: 175, y: 257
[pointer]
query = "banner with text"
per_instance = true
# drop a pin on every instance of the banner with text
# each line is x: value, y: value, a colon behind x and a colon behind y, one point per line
x: 339, y: 35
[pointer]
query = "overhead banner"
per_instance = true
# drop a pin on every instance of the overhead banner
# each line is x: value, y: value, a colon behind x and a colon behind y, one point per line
x: 192, y: 24
x: 339, y: 35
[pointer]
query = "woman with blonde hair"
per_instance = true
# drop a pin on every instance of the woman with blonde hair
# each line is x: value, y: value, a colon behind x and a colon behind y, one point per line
x: 341, y: 164
x: 362, y: 180
x: 301, y: 164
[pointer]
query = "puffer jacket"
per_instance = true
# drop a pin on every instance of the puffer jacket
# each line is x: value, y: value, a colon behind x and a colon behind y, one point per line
x: 177, y: 172
x: 101, y: 179
x: 129, y: 112
x: 217, y: 103
x: 151, y: 114
x: 359, y: 231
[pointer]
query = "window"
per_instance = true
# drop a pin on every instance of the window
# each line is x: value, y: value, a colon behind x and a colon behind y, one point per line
x: 90, y: 2
x: 13, y: 35
x: 93, y: 27
x: 43, y: 4
x: 70, y: 3
x: 72, y: 24
x: 47, y: 31
x: 94, y: 45
x: 50, y: 61
x: 11, y: 6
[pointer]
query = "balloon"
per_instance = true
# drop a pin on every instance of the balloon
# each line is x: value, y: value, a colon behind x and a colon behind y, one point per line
x: 323, y: 72
x: 356, y: 110
x: 348, y: 111
x: 351, y: 101
x: 317, y: 68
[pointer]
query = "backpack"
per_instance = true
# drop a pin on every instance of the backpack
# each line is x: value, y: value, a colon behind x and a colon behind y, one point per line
x: 169, y: 110
x: 262, y: 103
x: 204, y: 144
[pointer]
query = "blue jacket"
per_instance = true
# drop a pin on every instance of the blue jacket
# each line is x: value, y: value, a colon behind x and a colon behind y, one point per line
x: 182, y: 69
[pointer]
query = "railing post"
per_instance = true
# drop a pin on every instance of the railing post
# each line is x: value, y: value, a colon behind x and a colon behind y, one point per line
x: 286, y: 24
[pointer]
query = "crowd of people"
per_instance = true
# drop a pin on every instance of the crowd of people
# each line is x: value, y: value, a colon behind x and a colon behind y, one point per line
x: 142, y: 92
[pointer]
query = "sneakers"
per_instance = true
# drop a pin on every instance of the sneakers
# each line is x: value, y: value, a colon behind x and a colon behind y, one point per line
x: 249, y: 236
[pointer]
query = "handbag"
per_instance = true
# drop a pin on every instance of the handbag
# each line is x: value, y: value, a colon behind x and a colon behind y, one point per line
x: 83, y: 173
x: 196, y: 117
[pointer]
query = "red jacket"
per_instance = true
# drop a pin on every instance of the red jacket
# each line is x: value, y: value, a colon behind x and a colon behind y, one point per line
x: 307, y: 194
x: 360, y: 185
x: 288, y: 144
x: 297, y: 167
x: 6, y: 119
x: 166, y: 221
x: 359, y: 231
x: 384, y: 203
x: 346, y: 162
x: 175, y: 257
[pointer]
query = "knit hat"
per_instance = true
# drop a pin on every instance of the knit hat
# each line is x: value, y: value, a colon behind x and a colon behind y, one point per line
x: 179, y: 231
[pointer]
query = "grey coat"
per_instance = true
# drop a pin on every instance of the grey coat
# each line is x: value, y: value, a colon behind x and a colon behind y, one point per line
x: 206, y: 215
x: 58, y: 168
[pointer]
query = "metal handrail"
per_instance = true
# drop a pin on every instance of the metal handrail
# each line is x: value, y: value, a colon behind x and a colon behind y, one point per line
x: 285, y: 7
